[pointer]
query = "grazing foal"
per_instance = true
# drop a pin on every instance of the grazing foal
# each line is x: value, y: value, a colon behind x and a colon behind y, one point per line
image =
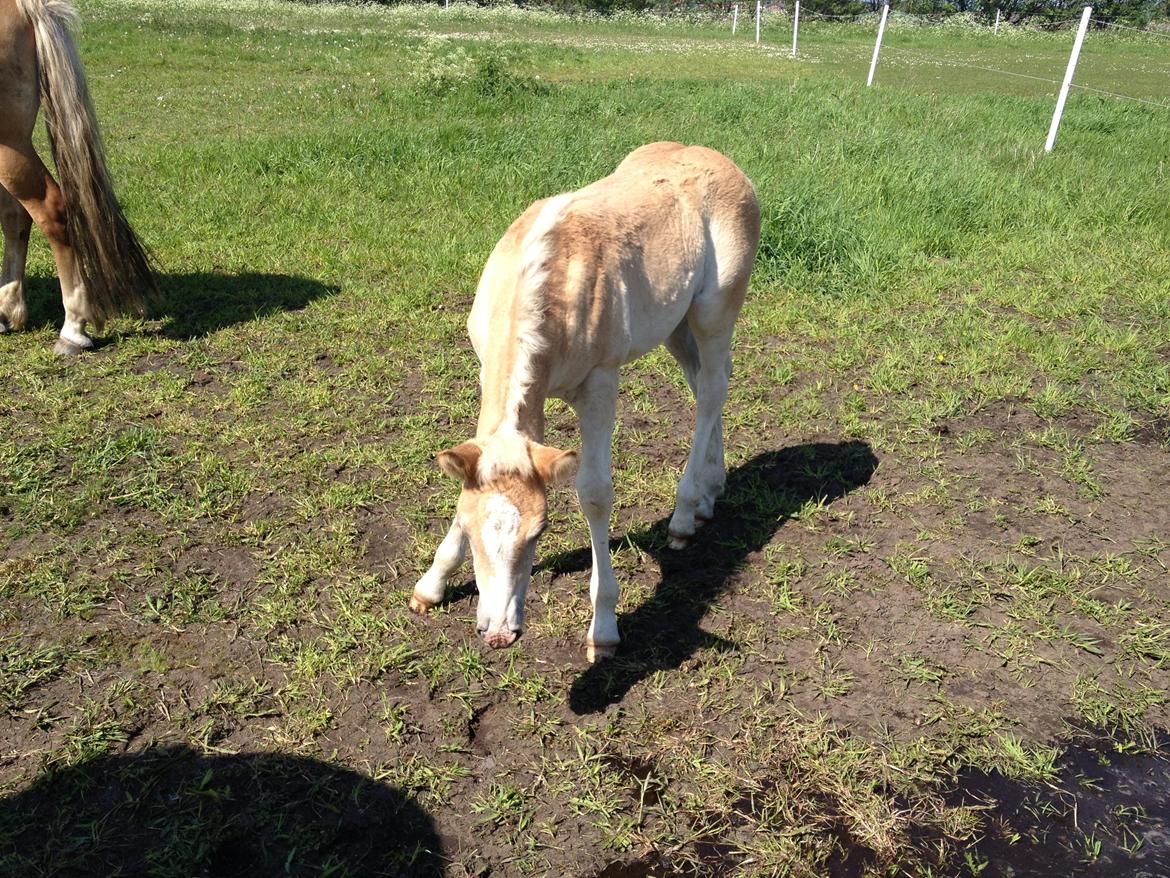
x: 102, y: 267
x: 659, y: 252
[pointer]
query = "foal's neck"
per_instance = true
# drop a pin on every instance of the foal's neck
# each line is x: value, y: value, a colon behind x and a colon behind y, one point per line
x: 513, y: 388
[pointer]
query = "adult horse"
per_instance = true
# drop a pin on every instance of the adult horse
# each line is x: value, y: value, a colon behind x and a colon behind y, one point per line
x: 659, y: 252
x: 102, y: 267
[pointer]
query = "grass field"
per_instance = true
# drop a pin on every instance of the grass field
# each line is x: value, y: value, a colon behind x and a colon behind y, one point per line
x: 928, y: 632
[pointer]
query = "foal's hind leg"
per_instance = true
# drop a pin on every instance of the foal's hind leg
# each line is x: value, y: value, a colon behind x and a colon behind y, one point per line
x: 710, y: 394
x: 712, y: 474
x: 16, y: 224
x: 27, y: 179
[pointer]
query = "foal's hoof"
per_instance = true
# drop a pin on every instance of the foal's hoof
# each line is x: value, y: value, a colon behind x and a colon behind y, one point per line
x: 595, y: 652
x: 420, y: 605
x: 66, y: 348
x: 677, y: 542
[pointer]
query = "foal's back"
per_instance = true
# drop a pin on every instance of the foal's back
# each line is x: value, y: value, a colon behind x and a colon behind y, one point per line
x: 609, y: 271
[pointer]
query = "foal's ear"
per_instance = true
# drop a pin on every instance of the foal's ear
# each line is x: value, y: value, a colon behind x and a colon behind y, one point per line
x: 460, y: 462
x: 553, y: 465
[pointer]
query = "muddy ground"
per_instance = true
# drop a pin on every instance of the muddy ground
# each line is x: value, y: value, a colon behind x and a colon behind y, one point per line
x: 835, y: 601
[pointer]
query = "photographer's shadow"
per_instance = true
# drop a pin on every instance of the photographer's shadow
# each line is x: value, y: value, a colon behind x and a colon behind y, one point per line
x: 665, y: 630
x: 175, y: 811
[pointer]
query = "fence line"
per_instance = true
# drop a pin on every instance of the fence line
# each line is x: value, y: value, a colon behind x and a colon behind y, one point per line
x: 923, y: 57
x: 1113, y: 94
x: 1136, y: 30
x: 1046, y: 26
x: 951, y: 62
x: 825, y: 15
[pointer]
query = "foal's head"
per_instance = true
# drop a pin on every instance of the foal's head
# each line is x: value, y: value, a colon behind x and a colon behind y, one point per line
x: 501, y: 511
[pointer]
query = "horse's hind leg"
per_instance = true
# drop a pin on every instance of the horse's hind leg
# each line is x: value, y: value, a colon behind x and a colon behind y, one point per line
x: 27, y: 179
x: 16, y: 224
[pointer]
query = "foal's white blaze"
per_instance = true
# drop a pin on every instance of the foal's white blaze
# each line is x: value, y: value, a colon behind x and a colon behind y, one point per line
x: 499, y: 610
x: 501, y: 528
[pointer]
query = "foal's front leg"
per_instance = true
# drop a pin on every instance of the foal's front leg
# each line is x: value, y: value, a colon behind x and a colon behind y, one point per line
x: 596, y: 405
x: 431, y: 589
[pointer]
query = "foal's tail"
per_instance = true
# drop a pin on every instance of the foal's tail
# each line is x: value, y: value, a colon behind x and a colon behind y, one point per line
x: 113, y: 262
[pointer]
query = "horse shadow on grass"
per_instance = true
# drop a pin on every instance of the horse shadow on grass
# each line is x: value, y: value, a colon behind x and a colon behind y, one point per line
x: 664, y: 631
x: 197, y: 304
x: 175, y: 811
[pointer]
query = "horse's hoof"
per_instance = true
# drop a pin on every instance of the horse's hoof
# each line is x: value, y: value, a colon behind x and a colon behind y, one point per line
x: 596, y: 652
x: 66, y: 348
x: 677, y: 542
x: 420, y: 605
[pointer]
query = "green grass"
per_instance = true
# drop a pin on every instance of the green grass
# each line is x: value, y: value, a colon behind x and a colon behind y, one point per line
x: 942, y: 554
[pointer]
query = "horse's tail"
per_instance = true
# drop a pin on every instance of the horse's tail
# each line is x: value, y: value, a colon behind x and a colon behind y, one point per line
x: 114, y: 264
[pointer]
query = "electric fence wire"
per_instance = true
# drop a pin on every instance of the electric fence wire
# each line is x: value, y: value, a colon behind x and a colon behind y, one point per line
x: 1138, y: 30
x: 950, y: 62
x: 824, y: 15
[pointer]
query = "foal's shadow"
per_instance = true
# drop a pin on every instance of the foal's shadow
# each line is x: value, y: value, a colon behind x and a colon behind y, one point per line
x: 196, y: 304
x: 664, y: 631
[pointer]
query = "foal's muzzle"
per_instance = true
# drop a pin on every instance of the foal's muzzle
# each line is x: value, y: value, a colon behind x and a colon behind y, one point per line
x: 499, y: 639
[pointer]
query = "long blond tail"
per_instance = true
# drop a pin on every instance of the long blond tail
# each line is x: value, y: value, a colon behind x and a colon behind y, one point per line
x: 116, y: 267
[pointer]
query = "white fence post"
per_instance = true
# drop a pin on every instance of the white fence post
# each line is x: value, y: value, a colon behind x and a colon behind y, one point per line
x: 996, y: 33
x: 877, y: 47
x: 795, y: 27
x: 758, y: 22
x: 1068, y: 76
x: 734, y: 18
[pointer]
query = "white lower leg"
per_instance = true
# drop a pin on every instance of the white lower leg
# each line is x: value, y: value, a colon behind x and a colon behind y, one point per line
x: 714, y: 476
x: 432, y: 587
x: 73, y: 334
x: 596, y: 406
x: 696, y: 488
x: 74, y: 297
x: 686, y: 502
x: 13, y: 313
x: 16, y: 224
x: 603, y: 637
